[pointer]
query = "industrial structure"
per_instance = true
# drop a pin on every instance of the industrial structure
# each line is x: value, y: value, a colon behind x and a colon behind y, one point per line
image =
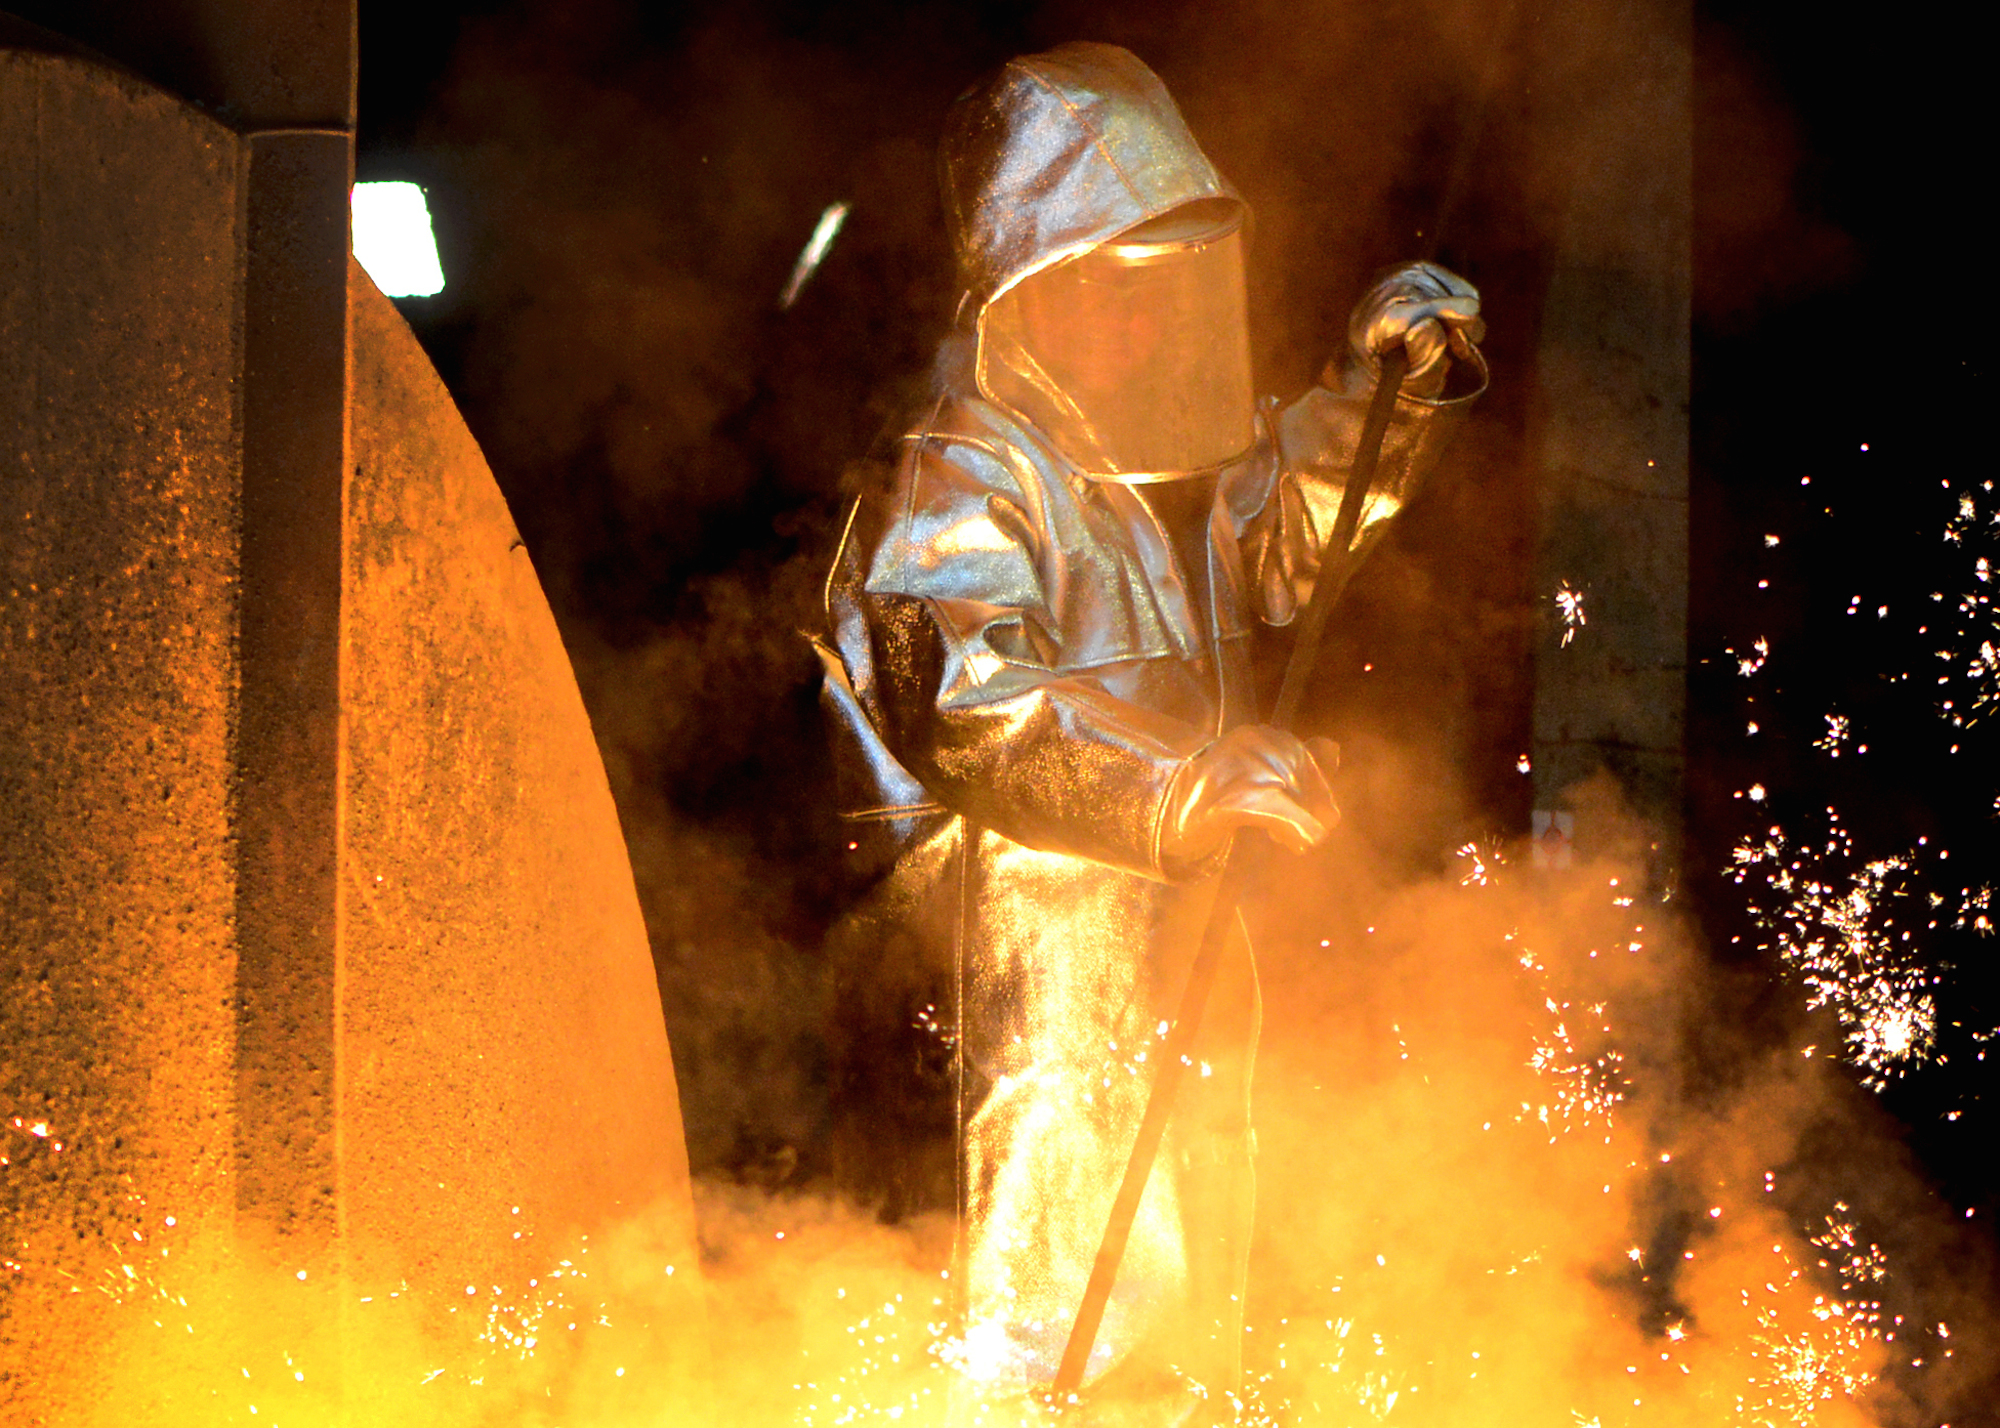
x: 318, y: 940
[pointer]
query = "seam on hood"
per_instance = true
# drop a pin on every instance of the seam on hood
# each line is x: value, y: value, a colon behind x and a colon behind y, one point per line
x: 1096, y: 132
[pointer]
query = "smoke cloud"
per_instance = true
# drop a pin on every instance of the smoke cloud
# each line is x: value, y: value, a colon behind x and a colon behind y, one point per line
x: 1511, y: 1171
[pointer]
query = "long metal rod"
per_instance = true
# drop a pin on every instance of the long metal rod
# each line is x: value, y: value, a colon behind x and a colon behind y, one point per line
x: 1239, y: 872
x: 1335, y: 563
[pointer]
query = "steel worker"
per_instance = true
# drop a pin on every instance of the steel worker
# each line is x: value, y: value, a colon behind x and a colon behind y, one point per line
x: 1040, y: 673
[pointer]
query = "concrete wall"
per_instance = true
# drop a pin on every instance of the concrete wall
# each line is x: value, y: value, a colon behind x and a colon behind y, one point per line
x: 1611, y: 441
x: 495, y: 1071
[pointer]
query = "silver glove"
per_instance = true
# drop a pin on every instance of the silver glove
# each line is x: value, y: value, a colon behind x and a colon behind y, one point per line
x: 1430, y: 310
x: 1254, y: 776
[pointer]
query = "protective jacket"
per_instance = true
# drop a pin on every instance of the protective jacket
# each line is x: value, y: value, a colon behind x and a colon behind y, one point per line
x: 1021, y: 659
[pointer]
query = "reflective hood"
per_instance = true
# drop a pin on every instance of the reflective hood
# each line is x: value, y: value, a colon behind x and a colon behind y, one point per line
x: 1131, y: 356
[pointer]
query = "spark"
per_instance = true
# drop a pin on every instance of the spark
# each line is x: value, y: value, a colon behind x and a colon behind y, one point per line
x: 1747, y: 665
x: 814, y: 253
x: 1483, y: 860
x: 1569, y: 600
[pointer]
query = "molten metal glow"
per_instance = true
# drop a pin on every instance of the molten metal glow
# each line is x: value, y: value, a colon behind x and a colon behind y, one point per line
x: 1402, y: 1315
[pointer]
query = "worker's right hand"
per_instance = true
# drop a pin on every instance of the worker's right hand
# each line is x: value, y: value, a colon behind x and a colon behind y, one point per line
x: 1254, y: 776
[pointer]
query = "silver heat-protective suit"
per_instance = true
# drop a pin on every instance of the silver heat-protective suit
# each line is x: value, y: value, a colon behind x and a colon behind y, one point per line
x: 1036, y: 643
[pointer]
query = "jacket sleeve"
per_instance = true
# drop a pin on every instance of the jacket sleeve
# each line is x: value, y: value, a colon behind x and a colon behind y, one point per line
x: 946, y: 603
x: 1316, y: 440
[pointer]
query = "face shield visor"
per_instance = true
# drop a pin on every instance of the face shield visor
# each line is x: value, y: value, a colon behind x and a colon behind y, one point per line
x: 1133, y: 358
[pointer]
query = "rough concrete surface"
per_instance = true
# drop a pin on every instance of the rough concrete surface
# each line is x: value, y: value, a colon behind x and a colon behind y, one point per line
x: 503, y: 1039
x: 118, y: 514
x: 501, y: 1065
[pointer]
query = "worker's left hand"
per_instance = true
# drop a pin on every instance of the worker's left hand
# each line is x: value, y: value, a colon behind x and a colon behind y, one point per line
x: 1431, y: 310
x: 1254, y: 776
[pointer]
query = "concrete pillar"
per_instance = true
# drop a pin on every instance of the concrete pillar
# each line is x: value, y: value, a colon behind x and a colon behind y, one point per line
x: 1610, y: 442
x: 295, y: 389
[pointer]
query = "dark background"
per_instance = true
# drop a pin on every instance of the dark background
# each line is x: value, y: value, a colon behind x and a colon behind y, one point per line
x: 620, y: 193
x: 1839, y: 369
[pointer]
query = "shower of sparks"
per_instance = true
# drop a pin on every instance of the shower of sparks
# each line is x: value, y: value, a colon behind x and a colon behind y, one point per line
x: 1836, y: 930
x: 896, y: 1369
x: 516, y: 1323
x: 814, y: 253
x: 1804, y: 1371
x: 881, y: 1354
x: 39, y: 1138
x: 930, y: 1022
x: 1569, y: 602
x: 1800, y: 1370
x: 1588, y: 1082
x: 1856, y: 1264
x: 1588, y: 1087
x: 1974, y: 912
x: 1971, y: 658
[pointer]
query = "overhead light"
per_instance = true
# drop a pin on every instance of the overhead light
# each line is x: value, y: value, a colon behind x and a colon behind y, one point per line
x: 393, y: 240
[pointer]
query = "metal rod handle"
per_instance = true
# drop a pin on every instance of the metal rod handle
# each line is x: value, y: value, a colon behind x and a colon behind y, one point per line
x: 1239, y: 871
